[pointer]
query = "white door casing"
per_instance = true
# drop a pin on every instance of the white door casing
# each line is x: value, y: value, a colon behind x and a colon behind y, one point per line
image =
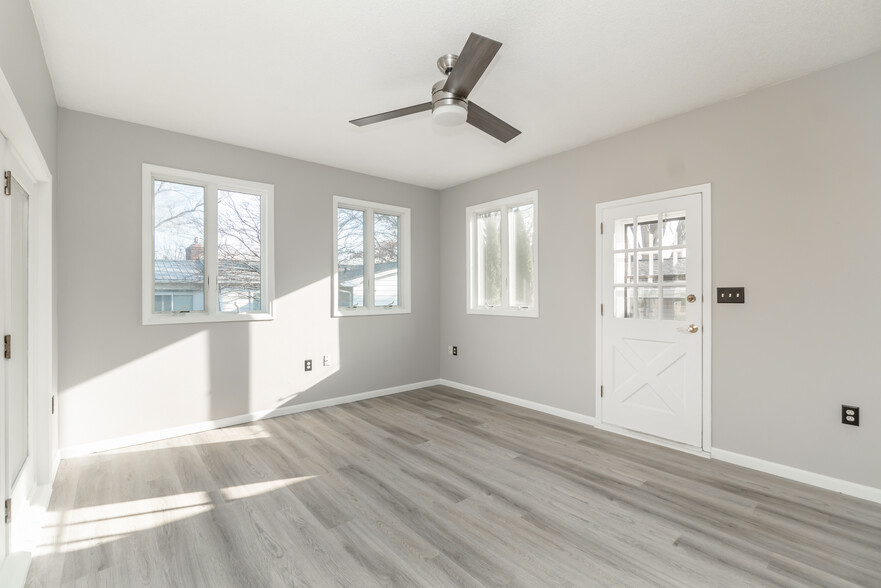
x: 652, y: 326
x: 20, y: 153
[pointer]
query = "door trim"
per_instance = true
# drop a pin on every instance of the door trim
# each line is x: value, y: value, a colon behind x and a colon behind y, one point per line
x: 21, y: 153
x: 706, y: 312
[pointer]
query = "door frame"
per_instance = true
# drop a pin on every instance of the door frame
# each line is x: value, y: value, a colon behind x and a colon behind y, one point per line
x: 706, y: 316
x: 20, y: 153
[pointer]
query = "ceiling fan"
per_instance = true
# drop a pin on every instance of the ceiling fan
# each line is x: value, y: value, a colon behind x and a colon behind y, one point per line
x: 449, y: 104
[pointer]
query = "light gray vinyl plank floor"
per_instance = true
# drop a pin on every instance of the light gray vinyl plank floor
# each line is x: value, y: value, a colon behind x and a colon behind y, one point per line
x: 437, y: 487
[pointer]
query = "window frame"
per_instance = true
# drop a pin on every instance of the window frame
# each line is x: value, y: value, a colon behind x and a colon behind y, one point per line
x: 503, y: 205
x: 212, y: 184
x: 370, y: 209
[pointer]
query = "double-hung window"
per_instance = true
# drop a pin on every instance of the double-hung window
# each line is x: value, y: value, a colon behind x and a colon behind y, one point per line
x: 371, y: 273
x: 503, y: 256
x: 207, y: 248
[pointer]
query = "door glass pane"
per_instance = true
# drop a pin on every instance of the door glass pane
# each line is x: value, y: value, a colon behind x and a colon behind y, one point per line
x: 674, y: 303
x: 623, y: 237
x: 386, y: 233
x: 647, y: 267
x: 674, y: 263
x: 624, y: 300
x: 17, y: 365
x: 624, y: 268
x: 647, y: 231
x: 674, y: 229
x: 647, y: 303
x: 489, y: 259
x: 350, y: 257
x: 522, y: 231
x: 239, y: 284
x: 178, y: 237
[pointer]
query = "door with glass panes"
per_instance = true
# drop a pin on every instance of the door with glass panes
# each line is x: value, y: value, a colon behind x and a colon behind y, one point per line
x: 651, y: 320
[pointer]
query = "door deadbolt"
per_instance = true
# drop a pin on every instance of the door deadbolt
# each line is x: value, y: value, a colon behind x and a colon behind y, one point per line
x: 691, y: 297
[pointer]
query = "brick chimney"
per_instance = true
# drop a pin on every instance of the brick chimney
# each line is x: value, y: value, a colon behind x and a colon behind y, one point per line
x: 195, y: 251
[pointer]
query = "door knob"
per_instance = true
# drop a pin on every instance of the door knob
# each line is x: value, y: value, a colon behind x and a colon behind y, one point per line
x: 692, y: 328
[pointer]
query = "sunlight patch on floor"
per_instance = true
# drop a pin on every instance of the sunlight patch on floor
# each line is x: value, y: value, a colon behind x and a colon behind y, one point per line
x: 258, y: 488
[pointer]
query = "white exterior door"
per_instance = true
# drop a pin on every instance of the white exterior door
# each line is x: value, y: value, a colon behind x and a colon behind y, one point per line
x: 652, y: 307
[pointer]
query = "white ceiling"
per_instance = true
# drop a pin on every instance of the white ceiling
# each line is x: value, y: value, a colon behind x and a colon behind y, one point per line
x: 285, y: 76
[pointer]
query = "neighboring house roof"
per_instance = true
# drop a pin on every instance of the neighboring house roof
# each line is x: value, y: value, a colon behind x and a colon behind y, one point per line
x: 351, y: 275
x: 177, y: 271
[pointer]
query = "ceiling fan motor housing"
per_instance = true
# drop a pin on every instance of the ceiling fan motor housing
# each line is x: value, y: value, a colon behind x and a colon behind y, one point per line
x: 447, y: 109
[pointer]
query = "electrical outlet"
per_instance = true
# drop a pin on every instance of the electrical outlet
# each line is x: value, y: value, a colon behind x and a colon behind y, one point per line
x: 308, y: 365
x: 850, y: 415
x: 325, y: 361
x: 455, y: 350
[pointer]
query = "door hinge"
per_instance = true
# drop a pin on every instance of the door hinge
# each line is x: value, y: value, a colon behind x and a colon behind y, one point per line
x: 8, y: 510
x: 601, y: 390
x: 601, y: 310
x: 601, y: 228
x: 7, y: 185
x: 53, y: 404
x: 7, y: 346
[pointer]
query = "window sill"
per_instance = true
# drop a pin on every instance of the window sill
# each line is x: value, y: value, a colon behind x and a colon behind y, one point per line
x: 201, y: 317
x: 370, y: 311
x: 522, y: 313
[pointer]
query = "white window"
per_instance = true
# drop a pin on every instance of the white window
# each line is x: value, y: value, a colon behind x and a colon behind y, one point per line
x: 503, y: 256
x: 371, y: 273
x: 207, y: 248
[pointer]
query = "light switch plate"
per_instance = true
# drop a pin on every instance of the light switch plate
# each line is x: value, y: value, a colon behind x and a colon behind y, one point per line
x: 730, y: 295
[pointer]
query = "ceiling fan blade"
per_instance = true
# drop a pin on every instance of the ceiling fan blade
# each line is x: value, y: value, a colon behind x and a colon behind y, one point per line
x: 475, y: 57
x: 490, y: 123
x: 369, y: 120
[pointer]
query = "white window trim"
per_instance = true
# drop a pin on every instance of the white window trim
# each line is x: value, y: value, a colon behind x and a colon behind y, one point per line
x: 504, y: 205
x: 371, y: 208
x: 212, y: 184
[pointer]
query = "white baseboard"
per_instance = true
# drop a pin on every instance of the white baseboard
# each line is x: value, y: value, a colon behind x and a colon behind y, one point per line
x: 545, y: 408
x: 798, y: 475
x: 14, y: 569
x: 804, y: 476
x: 148, y: 437
x: 769, y: 467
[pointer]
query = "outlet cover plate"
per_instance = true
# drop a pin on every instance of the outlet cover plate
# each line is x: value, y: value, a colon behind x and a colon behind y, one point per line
x: 850, y: 415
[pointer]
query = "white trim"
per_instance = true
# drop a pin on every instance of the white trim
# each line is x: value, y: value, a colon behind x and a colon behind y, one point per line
x: 753, y: 463
x: 138, y: 439
x: 798, y: 475
x: 503, y: 205
x: 707, y: 312
x: 14, y: 571
x: 212, y: 184
x: 404, y: 305
x: 706, y: 307
x: 545, y: 408
x: 21, y: 153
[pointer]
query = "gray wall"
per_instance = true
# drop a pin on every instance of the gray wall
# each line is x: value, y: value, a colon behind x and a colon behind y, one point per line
x: 796, y: 211
x: 119, y: 378
x: 24, y: 65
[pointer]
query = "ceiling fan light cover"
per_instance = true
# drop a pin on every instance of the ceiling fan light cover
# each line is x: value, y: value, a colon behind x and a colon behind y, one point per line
x: 450, y: 115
